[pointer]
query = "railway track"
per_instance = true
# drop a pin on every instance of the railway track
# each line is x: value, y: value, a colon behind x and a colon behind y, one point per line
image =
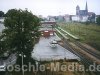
x: 95, y: 54
x: 85, y: 60
x: 77, y: 43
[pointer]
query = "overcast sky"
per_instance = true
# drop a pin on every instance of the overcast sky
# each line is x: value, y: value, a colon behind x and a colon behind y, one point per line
x: 51, y: 7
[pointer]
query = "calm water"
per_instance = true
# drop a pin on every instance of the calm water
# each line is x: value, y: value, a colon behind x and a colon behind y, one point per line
x: 43, y: 51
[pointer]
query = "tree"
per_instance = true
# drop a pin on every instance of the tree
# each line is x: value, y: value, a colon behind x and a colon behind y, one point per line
x: 91, y: 18
x: 98, y: 20
x: 21, y: 31
x: 1, y: 14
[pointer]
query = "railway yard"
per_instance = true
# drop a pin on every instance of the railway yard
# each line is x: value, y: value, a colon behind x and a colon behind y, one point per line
x: 87, y: 54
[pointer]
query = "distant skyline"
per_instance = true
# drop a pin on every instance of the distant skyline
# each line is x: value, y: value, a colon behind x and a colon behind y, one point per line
x: 51, y: 7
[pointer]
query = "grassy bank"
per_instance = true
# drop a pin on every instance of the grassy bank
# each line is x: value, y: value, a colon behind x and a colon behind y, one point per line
x: 89, y: 34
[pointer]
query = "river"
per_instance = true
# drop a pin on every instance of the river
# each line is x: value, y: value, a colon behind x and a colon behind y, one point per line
x: 44, y: 52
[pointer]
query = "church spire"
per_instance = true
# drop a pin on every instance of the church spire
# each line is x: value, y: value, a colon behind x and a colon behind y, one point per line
x: 86, y: 8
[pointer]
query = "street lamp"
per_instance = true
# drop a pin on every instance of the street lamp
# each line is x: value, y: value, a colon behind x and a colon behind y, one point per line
x: 22, y: 55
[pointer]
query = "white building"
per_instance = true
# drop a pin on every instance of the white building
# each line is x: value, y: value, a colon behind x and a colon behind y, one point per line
x: 80, y: 18
x: 75, y: 18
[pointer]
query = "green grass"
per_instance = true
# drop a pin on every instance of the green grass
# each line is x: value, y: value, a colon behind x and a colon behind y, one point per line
x: 89, y: 34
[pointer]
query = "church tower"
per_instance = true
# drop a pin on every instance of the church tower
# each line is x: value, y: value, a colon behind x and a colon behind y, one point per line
x: 77, y: 10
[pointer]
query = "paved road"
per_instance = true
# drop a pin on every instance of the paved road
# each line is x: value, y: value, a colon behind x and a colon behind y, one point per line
x: 43, y: 51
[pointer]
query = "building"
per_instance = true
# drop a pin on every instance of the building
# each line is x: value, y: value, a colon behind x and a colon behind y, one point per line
x: 83, y: 15
x: 75, y: 18
x: 82, y: 12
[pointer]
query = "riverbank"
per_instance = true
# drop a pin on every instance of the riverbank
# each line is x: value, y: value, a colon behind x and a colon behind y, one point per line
x: 88, y: 34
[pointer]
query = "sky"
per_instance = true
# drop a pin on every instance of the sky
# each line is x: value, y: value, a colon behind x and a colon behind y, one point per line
x: 50, y: 7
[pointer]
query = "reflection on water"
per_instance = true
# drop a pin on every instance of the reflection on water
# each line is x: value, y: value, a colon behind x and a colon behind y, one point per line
x: 43, y: 51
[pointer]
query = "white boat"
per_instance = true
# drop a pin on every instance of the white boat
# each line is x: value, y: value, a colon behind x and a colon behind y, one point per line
x: 3, y: 67
x: 53, y: 44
